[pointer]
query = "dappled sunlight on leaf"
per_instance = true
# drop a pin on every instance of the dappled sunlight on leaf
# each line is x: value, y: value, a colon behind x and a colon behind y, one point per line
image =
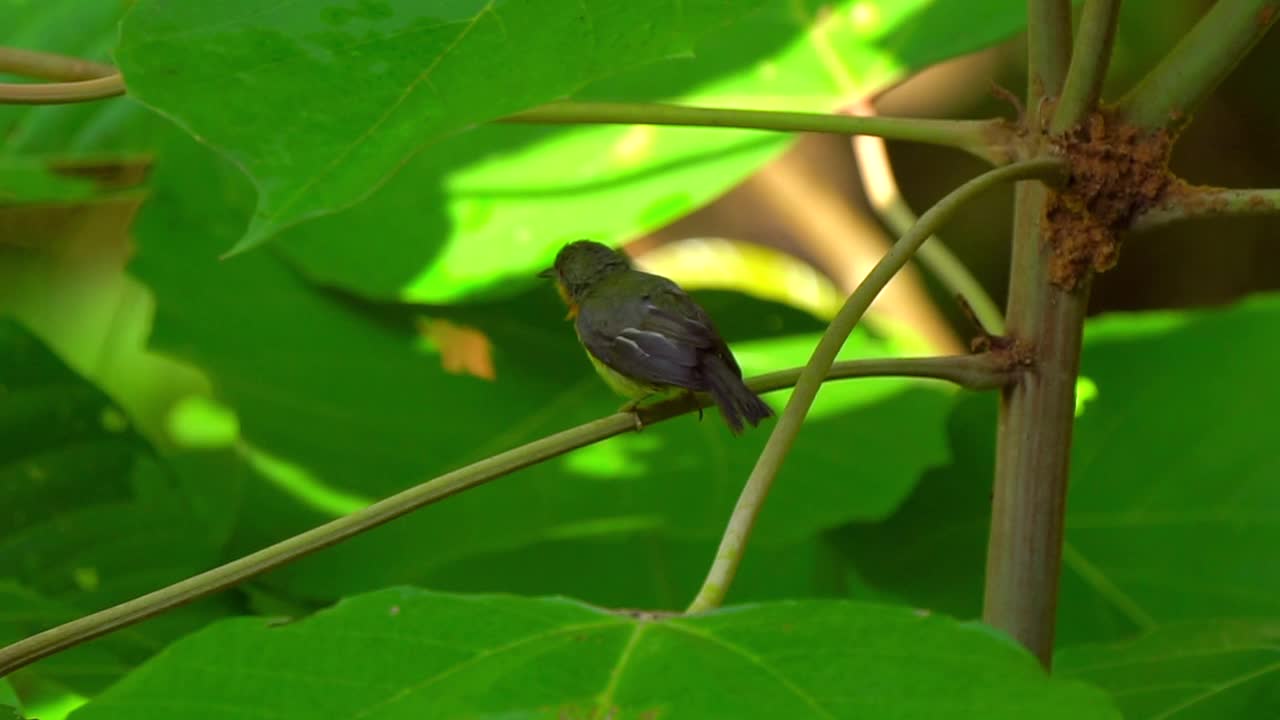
x: 541, y: 187
x: 199, y: 422
x: 758, y: 270
x: 302, y: 484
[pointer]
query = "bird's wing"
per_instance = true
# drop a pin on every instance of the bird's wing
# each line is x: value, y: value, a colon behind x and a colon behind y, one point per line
x: 656, y: 337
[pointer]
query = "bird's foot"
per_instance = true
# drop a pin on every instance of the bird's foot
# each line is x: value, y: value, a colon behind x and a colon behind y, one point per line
x: 633, y: 407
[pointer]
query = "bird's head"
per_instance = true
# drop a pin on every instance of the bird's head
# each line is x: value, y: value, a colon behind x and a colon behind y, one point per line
x: 580, y: 265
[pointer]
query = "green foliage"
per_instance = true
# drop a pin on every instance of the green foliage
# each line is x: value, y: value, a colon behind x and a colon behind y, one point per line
x: 1213, y: 669
x: 8, y: 702
x: 87, y: 517
x: 1172, y: 471
x: 339, y: 365
x: 23, y: 180
x: 479, y: 214
x: 275, y: 348
x: 410, y: 653
x: 409, y: 74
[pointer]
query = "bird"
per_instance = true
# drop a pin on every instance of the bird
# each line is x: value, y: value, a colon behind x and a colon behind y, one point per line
x: 645, y: 335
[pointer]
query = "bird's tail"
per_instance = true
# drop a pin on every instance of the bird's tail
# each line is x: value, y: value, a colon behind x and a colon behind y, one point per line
x: 735, y: 400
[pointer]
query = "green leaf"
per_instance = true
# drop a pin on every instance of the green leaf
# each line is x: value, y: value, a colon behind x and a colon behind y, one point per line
x: 8, y: 701
x: 410, y: 653
x: 87, y: 517
x: 341, y: 403
x: 1171, y: 509
x: 85, y: 29
x: 25, y: 180
x: 1207, y: 670
x: 642, y: 569
x: 87, y: 668
x: 480, y: 214
x: 410, y: 75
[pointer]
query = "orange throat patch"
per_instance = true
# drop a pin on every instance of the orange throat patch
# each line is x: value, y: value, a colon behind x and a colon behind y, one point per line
x: 564, y: 295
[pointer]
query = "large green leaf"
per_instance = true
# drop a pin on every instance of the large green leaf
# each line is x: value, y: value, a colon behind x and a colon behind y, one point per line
x: 1171, y: 510
x: 87, y: 668
x: 87, y: 517
x: 259, y: 83
x: 1191, y: 671
x: 8, y: 699
x: 403, y: 653
x: 482, y: 212
x: 341, y: 403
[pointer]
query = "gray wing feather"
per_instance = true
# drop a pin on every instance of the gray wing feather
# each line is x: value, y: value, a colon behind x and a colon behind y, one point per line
x: 654, y: 345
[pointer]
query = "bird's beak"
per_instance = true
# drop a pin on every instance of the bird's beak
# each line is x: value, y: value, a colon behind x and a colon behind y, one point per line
x: 548, y: 273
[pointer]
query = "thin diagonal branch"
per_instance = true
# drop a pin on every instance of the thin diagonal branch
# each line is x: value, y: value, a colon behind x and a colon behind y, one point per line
x: 1167, y: 96
x: 733, y: 544
x: 979, y: 372
x: 990, y: 140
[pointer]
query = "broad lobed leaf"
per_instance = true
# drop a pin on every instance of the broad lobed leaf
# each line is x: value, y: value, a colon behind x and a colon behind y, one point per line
x: 351, y: 405
x: 480, y: 214
x: 402, y: 653
x: 1196, y: 670
x: 1171, y: 515
x: 410, y: 74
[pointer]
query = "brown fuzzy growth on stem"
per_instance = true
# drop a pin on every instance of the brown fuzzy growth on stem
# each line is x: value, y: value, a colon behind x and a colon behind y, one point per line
x: 1117, y: 171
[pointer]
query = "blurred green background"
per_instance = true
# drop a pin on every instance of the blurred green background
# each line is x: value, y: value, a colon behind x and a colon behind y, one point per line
x: 165, y: 409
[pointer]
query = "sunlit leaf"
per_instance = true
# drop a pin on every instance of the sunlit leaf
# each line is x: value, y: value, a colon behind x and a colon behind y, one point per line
x: 481, y: 213
x: 340, y: 403
x: 410, y: 74
x: 409, y: 653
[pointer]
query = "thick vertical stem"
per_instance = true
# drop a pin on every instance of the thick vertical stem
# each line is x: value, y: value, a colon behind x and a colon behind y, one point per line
x: 1024, y: 554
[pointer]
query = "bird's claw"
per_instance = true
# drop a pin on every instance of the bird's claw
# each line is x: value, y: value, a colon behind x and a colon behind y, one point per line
x: 633, y: 407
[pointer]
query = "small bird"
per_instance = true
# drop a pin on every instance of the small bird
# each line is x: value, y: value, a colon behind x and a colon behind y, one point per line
x: 645, y: 335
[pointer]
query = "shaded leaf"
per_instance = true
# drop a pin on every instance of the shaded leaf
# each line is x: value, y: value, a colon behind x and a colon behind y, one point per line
x: 410, y: 75
x: 24, y: 180
x: 410, y: 653
x: 1171, y: 509
x: 481, y: 213
x: 1210, y: 670
x: 340, y: 403
x: 8, y: 701
x: 85, y: 29
x: 87, y: 517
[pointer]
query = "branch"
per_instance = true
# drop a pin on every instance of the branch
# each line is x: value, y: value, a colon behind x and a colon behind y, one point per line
x: 1167, y: 96
x: 1089, y: 60
x: 750, y: 502
x: 1048, y: 49
x: 47, y: 66
x: 978, y: 372
x: 881, y: 190
x: 987, y: 139
x: 1186, y: 202
x: 61, y: 93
